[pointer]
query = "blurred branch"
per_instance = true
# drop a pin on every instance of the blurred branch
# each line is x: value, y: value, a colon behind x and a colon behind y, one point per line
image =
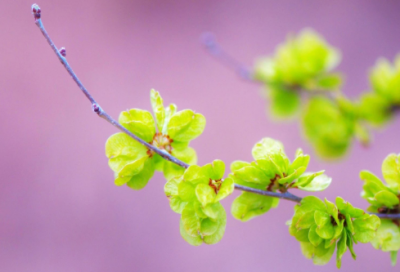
x: 244, y: 72
x: 210, y: 43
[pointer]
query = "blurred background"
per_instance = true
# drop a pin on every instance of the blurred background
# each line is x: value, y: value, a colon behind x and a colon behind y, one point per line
x: 59, y: 207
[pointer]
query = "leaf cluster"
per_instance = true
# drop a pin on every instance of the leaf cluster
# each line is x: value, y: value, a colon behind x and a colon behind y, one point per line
x: 303, y: 63
x: 196, y: 195
x: 385, y: 198
x: 303, y: 67
x: 321, y: 227
x: 169, y: 130
x: 271, y: 170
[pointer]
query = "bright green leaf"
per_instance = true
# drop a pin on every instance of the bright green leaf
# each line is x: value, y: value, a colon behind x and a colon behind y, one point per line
x: 186, y: 125
x: 205, y: 194
x: 158, y: 108
x: 249, y: 205
x: 391, y: 171
x: 139, y: 122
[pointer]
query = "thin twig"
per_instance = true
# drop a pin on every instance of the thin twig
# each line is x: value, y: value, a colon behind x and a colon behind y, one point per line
x: 210, y: 43
x: 101, y: 113
x: 286, y: 195
x: 388, y: 215
x: 95, y: 106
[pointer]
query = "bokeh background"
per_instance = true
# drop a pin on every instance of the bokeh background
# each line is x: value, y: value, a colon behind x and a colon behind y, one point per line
x: 59, y: 208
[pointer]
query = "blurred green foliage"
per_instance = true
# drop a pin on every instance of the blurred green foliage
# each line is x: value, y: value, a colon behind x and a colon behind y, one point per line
x: 300, y: 81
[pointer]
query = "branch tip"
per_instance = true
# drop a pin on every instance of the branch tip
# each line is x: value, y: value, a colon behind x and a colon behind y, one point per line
x: 36, y: 11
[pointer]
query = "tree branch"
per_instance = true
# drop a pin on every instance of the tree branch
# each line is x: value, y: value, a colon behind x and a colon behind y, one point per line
x: 95, y: 106
x: 101, y: 113
x: 286, y: 195
x: 210, y: 43
x: 217, y: 51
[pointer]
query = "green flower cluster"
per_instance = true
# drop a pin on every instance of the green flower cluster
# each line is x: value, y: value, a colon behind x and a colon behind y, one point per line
x: 377, y: 106
x: 196, y: 195
x: 272, y: 171
x: 303, y: 62
x: 320, y: 227
x: 385, y: 199
x: 133, y: 163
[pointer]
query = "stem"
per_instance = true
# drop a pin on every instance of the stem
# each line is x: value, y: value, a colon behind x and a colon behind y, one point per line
x: 286, y: 195
x: 95, y: 106
x: 210, y: 43
x: 387, y: 215
x: 101, y: 113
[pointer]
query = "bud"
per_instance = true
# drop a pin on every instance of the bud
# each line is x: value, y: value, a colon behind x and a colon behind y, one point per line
x: 96, y: 108
x: 36, y: 11
x: 63, y: 51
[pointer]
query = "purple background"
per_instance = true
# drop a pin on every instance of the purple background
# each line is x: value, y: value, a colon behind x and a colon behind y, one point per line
x: 59, y: 208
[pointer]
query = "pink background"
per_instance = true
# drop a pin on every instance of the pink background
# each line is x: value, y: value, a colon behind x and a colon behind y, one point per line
x: 59, y: 208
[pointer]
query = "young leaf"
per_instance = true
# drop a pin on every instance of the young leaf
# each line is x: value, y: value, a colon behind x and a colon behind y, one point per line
x: 248, y: 205
x: 391, y: 171
x: 205, y: 194
x: 123, y: 150
x: 193, y: 240
x: 215, y: 170
x: 265, y: 147
x: 186, y: 125
x: 341, y: 249
x: 314, y: 182
x: 226, y: 189
x: 191, y: 222
x: 139, y: 122
x: 387, y: 199
x: 158, y: 108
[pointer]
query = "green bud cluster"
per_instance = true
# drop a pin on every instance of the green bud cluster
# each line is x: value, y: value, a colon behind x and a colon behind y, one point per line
x: 385, y: 198
x: 196, y: 195
x: 320, y: 227
x: 171, y: 131
x: 303, y: 62
x: 271, y: 170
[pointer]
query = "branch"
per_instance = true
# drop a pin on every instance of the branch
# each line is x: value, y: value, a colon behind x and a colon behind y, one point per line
x: 61, y: 54
x: 210, y: 43
x: 387, y: 215
x: 286, y: 195
x: 95, y: 106
x: 217, y: 51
